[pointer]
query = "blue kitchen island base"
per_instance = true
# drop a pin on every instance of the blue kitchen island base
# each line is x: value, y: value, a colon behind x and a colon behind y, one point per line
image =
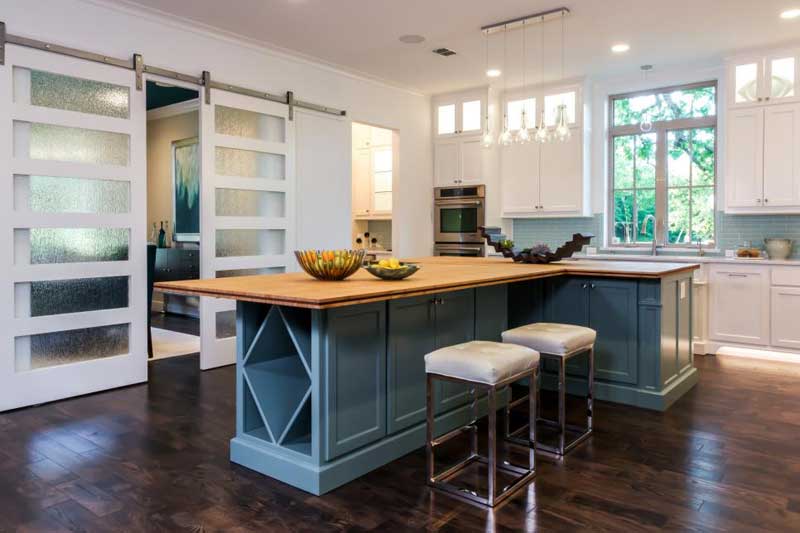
x: 327, y: 395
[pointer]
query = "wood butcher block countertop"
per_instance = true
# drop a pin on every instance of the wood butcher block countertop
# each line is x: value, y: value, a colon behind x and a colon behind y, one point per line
x: 438, y: 274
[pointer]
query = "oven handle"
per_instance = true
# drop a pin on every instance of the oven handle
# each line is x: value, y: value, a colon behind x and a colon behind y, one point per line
x: 460, y: 203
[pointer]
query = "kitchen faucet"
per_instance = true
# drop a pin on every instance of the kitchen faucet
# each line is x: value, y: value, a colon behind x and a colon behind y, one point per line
x: 654, y: 250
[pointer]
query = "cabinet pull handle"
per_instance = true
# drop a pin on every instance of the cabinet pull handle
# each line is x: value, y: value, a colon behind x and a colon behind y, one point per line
x: 585, y: 286
x: 760, y: 99
x: 593, y: 285
x: 758, y: 200
x: 766, y: 200
x: 732, y: 275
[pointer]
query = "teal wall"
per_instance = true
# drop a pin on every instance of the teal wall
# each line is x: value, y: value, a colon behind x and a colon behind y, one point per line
x: 732, y: 230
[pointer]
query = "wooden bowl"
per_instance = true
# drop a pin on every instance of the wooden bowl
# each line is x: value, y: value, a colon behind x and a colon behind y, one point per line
x: 405, y: 270
x: 330, y: 265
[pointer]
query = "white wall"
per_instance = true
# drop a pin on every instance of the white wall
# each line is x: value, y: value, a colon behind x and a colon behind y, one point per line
x: 119, y: 32
x: 161, y: 133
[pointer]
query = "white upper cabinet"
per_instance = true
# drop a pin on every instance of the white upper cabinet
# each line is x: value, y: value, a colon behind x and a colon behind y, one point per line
x: 459, y: 114
x: 373, y: 165
x: 745, y: 158
x: 550, y: 179
x: 764, y: 79
x: 361, y: 185
x: 762, y: 156
x: 782, y: 156
x: 458, y: 161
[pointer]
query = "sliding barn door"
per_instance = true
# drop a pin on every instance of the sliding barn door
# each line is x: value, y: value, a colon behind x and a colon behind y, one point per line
x: 247, y: 205
x: 72, y: 228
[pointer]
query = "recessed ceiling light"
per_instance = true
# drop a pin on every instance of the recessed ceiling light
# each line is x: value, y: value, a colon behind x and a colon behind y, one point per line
x: 620, y: 48
x: 790, y: 14
x: 412, y: 39
x: 493, y: 73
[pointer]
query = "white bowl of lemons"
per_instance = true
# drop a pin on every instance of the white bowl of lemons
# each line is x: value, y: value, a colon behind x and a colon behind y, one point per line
x: 391, y: 269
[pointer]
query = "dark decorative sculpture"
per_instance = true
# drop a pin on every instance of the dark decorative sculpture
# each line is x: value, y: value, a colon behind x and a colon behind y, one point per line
x: 539, y: 254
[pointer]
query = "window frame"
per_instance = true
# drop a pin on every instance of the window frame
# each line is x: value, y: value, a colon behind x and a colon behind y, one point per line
x: 661, y: 129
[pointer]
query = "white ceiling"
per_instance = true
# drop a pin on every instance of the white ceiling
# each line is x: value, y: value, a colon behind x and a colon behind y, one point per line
x: 362, y: 35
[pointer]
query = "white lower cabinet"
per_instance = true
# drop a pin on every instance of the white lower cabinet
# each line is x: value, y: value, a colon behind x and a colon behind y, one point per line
x: 739, y: 302
x: 785, y: 317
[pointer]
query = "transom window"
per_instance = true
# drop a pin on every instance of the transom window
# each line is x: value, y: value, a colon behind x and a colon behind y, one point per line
x: 663, y: 166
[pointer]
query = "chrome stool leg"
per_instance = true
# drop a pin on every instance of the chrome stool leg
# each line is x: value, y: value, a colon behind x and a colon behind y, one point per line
x: 495, y: 494
x: 563, y: 445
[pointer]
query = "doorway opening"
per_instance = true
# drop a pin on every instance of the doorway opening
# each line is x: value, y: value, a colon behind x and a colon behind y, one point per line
x: 173, y: 216
x: 375, y: 167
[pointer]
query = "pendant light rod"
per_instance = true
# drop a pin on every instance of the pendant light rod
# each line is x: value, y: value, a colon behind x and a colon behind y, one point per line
x: 519, y: 22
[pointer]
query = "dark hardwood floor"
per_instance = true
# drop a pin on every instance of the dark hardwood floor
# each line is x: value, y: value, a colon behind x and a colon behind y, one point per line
x: 173, y: 322
x: 154, y: 458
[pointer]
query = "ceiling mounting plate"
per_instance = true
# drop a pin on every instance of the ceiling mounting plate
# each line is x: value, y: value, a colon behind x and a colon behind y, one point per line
x: 527, y: 20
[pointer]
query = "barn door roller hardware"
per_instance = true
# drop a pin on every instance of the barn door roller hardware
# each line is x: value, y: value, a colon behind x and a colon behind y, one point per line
x: 137, y: 64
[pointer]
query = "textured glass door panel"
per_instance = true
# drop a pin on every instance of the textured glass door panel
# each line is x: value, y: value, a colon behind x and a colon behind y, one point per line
x: 244, y: 123
x: 247, y: 242
x: 226, y: 324
x: 47, y: 194
x: 46, y: 89
x: 78, y: 145
x: 471, y: 116
x: 782, y: 77
x: 243, y: 203
x: 73, y: 245
x: 73, y: 346
x: 249, y: 164
x: 446, y: 119
x: 746, y: 83
x: 250, y: 272
x: 70, y: 296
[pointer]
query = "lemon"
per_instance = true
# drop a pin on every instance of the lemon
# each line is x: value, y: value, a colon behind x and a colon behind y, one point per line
x: 394, y: 263
x: 383, y: 263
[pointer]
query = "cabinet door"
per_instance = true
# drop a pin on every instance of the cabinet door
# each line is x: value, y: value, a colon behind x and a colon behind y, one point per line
x: 471, y: 161
x: 739, y: 304
x: 782, y: 155
x: 447, y: 159
x: 745, y: 158
x: 561, y: 181
x: 455, y: 324
x: 613, y: 315
x: 520, y: 179
x: 412, y: 334
x: 355, y: 374
x: 362, y: 188
x: 781, y: 78
x: 785, y: 310
x: 568, y: 301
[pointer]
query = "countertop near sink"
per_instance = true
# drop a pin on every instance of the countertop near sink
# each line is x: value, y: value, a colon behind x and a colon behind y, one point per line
x: 683, y: 259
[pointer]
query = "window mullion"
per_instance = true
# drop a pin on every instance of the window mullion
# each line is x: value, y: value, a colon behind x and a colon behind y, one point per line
x: 661, y: 187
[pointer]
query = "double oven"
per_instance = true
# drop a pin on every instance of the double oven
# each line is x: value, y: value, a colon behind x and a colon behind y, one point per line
x: 458, y: 213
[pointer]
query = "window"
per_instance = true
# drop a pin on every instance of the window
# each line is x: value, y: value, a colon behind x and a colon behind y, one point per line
x: 663, y: 172
x: 514, y: 111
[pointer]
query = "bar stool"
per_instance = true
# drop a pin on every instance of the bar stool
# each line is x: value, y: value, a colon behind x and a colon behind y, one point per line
x: 559, y: 342
x: 489, y: 366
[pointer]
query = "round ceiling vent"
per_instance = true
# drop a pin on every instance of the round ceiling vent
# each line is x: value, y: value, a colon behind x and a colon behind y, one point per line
x: 412, y: 39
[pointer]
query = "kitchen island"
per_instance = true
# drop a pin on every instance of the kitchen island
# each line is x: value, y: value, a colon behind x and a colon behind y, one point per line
x: 331, y: 377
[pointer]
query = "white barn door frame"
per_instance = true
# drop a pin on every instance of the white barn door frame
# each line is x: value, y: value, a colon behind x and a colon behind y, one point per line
x: 72, y: 228
x: 247, y: 205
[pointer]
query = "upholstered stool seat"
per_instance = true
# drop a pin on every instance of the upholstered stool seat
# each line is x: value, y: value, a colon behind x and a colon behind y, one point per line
x: 558, y: 342
x: 489, y: 366
x: 481, y: 361
x: 554, y: 339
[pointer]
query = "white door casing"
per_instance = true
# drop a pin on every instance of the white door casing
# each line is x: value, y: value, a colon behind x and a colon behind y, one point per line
x: 73, y: 311
x: 247, y: 206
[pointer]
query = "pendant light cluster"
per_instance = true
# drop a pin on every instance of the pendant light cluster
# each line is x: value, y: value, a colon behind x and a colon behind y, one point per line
x: 528, y: 131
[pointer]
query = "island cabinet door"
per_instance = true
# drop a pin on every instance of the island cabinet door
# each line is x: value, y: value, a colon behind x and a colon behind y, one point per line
x: 455, y: 324
x: 613, y: 314
x: 412, y: 334
x: 355, y: 371
x: 567, y: 302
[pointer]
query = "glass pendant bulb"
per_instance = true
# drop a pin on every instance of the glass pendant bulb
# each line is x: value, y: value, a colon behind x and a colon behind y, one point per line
x: 523, y: 135
x: 505, y: 138
x: 562, y: 132
x: 541, y: 135
x: 488, y: 139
